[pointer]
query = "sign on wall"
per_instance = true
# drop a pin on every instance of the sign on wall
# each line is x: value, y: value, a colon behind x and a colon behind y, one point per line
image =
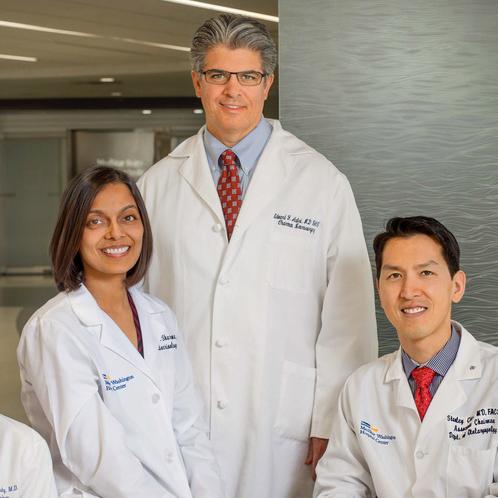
x: 129, y: 150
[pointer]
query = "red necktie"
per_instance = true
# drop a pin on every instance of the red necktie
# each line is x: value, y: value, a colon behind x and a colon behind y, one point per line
x: 229, y: 190
x: 423, y: 377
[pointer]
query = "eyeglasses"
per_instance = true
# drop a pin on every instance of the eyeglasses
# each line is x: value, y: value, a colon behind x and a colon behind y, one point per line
x: 245, y: 78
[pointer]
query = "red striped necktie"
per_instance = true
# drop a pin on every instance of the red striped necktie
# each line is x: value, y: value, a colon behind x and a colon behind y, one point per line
x: 229, y: 190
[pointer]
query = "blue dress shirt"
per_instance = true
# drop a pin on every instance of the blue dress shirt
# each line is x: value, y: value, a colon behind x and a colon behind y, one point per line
x: 440, y: 363
x: 248, y: 151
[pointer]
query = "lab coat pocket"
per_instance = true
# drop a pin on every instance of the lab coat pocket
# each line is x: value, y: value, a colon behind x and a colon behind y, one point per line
x: 470, y: 471
x: 295, y: 406
x: 289, y: 264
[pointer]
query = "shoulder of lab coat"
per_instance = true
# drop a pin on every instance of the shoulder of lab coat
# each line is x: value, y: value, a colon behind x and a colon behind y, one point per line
x: 288, y: 143
x: 34, y: 463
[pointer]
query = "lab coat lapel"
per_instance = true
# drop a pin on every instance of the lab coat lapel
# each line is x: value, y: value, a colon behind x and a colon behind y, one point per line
x: 197, y: 173
x: 267, y: 181
x: 111, y: 336
x: 451, y: 394
x: 396, y: 374
x: 151, y: 323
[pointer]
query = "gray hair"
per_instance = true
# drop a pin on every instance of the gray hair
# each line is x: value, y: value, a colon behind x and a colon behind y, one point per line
x: 233, y: 31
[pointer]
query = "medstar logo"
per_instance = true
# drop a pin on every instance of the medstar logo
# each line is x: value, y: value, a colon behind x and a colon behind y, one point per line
x: 112, y: 384
x: 373, y: 432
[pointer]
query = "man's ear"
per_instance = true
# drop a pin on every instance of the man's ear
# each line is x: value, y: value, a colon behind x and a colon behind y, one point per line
x: 268, y: 81
x: 459, y: 281
x: 196, y: 81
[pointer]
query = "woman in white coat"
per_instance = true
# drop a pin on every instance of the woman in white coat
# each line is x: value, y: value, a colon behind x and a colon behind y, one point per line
x: 25, y: 464
x: 105, y: 376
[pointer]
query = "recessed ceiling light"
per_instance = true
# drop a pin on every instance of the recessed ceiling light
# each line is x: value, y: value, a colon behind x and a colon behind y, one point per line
x: 198, y: 111
x: 18, y: 58
x: 33, y: 27
x: 116, y: 94
x: 222, y: 8
x: 146, y: 111
x: 107, y: 79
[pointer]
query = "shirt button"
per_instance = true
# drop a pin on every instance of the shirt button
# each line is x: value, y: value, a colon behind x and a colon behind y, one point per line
x: 419, y: 455
x: 217, y: 228
x: 155, y: 398
x: 220, y: 343
x: 224, y: 280
x: 169, y: 456
x: 221, y: 404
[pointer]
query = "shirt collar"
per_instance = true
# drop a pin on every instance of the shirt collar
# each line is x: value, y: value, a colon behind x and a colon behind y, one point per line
x: 441, y: 361
x: 248, y: 150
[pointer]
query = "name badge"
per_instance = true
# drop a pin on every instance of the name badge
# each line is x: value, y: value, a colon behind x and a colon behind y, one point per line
x: 167, y: 342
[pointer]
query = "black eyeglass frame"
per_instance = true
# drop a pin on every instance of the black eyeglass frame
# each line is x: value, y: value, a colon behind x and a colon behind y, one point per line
x: 237, y: 74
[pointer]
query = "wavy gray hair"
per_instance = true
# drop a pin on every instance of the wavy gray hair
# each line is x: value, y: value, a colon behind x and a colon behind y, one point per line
x: 233, y: 31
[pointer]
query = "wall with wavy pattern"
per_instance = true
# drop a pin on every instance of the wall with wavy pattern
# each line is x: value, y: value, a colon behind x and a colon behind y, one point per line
x: 403, y: 97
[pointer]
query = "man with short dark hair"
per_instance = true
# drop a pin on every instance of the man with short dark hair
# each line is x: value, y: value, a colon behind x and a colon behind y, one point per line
x: 259, y: 250
x: 421, y: 422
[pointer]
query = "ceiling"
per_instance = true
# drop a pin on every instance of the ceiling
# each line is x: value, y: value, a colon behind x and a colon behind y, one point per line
x: 70, y: 66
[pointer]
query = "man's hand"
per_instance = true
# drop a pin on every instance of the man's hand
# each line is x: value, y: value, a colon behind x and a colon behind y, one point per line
x: 316, y: 449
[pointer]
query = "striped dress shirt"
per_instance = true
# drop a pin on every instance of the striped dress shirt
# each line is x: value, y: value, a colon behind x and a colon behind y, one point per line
x: 440, y: 363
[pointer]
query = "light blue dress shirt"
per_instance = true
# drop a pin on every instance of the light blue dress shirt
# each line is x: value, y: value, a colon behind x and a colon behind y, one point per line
x: 248, y: 151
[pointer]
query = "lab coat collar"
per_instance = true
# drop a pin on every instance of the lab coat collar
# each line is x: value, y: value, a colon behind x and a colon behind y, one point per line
x: 467, y: 364
x: 111, y: 336
x: 468, y: 360
x: 267, y: 180
x: 195, y: 170
x: 450, y: 394
x: 85, y: 307
x: 395, y: 372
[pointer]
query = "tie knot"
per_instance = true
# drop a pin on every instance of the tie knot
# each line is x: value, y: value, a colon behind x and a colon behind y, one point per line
x: 228, y: 157
x: 423, y: 376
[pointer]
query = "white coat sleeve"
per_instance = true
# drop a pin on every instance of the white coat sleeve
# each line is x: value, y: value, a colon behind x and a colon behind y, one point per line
x: 342, y: 472
x: 90, y: 440
x: 191, y: 432
x: 38, y: 480
x: 348, y: 335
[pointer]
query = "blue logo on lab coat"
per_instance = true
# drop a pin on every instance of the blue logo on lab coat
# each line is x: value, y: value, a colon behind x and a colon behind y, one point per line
x: 112, y: 384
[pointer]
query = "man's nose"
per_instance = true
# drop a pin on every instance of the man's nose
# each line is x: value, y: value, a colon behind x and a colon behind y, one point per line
x: 410, y: 287
x: 232, y: 86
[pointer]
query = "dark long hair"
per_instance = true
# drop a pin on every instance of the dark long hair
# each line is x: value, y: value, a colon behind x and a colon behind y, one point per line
x: 75, y: 205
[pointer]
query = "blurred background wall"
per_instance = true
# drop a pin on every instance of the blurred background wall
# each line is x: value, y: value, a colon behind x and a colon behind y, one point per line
x: 84, y: 82
x: 402, y: 97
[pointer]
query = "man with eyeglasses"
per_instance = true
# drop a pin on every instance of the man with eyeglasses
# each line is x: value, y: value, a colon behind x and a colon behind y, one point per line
x: 259, y: 250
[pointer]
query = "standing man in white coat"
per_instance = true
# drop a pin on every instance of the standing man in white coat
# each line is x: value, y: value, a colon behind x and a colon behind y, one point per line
x: 260, y: 252
x: 25, y: 462
x: 421, y: 422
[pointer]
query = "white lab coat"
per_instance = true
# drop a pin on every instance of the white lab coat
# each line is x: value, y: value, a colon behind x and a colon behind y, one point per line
x: 25, y: 463
x: 276, y: 319
x: 380, y: 448
x: 117, y: 425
